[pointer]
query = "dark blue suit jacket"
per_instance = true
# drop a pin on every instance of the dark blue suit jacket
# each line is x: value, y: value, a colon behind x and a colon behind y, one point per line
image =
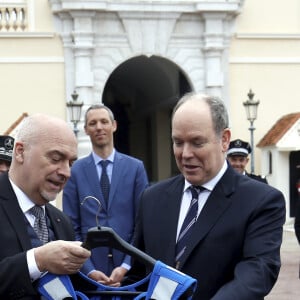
x: 234, y: 250
x: 128, y: 181
x: 14, y: 276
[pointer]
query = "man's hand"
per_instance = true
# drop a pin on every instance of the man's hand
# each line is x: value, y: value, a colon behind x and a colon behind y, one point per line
x: 61, y: 257
x: 114, y: 280
x: 117, y: 276
x: 100, y: 277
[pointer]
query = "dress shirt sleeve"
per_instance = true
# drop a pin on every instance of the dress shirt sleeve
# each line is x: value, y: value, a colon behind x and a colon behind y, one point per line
x: 32, y: 266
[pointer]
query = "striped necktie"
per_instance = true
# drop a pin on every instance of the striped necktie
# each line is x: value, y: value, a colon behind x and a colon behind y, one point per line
x: 188, y: 223
x: 104, y: 180
x: 40, y: 225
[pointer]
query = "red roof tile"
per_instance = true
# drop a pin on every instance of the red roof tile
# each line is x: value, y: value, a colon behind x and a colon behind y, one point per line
x: 16, y: 123
x: 278, y: 130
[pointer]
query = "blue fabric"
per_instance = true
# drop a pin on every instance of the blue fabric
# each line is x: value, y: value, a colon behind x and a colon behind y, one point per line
x: 184, y: 283
x: 100, y: 287
x: 47, y: 278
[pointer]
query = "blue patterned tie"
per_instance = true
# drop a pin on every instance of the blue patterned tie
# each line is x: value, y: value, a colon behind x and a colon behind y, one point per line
x: 188, y: 223
x: 104, y: 180
x: 40, y: 225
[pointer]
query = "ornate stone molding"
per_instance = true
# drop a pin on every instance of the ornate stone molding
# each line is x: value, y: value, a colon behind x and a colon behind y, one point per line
x: 99, y: 35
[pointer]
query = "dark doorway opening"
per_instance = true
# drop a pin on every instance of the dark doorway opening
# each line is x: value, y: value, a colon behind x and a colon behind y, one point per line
x: 294, y: 181
x: 142, y: 92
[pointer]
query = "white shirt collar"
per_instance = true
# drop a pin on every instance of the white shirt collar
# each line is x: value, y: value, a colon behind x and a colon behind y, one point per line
x: 24, y: 201
x: 211, y: 183
x: 97, y: 158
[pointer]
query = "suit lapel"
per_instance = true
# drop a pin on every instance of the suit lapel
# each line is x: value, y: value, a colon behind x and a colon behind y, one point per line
x: 216, y: 205
x: 91, y: 174
x: 14, y: 214
x: 119, y: 168
x: 169, y: 202
x: 56, y: 222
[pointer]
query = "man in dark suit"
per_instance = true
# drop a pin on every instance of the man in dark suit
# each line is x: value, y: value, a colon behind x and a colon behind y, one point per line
x: 238, y: 157
x: 84, y: 200
x: 43, y: 152
x: 233, y: 243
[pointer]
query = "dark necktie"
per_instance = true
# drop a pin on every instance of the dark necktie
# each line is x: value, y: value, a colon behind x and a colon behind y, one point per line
x: 188, y: 223
x: 40, y: 225
x: 104, y: 180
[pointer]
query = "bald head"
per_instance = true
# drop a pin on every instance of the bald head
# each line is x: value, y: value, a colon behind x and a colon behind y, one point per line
x: 41, y: 126
x: 45, y: 148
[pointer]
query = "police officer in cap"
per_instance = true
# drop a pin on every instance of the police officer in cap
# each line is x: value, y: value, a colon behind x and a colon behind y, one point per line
x: 237, y: 155
x: 6, y: 150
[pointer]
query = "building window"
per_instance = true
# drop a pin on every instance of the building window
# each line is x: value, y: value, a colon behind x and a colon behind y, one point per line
x: 270, y: 163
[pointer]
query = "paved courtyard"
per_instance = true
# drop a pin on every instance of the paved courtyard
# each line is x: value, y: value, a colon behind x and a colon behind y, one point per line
x: 287, y: 286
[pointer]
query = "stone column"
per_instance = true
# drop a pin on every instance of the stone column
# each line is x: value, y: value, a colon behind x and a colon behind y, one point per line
x: 213, y: 51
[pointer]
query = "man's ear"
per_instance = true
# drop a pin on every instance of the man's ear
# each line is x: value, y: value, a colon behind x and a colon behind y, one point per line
x: 115, y: 125
x: 226, y: 136
x: 19, y: 151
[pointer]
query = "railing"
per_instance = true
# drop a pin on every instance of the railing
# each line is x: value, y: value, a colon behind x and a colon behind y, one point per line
x: 13, y: 16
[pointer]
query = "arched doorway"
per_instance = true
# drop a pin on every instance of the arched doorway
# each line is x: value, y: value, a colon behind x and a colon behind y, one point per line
x: 142, y: 92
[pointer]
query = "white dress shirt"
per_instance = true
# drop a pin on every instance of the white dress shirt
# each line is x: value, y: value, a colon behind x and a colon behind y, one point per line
x: 26, y: 204
x: 203, y: 196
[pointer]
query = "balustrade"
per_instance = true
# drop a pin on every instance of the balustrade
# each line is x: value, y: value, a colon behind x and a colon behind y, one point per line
x: 13, y: 16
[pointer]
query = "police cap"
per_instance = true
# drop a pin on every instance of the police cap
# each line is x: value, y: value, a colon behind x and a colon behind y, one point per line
x: 6, y: 147
x: 239, y: 147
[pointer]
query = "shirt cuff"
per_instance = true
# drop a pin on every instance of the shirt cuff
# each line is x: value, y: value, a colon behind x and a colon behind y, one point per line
x: 126, y: 266
x: 32, y: 266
